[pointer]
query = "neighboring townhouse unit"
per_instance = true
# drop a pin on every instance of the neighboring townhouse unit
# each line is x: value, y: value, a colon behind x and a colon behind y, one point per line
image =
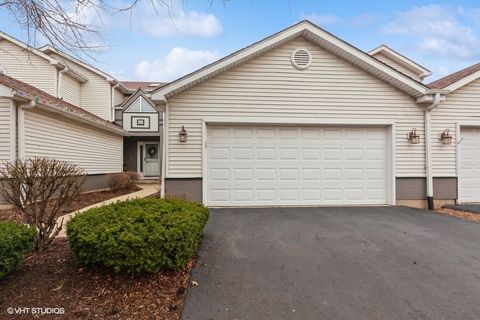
x: 61, y: 82
x: 304, y: 118
x: 458, y: 163
x: 34, y: 123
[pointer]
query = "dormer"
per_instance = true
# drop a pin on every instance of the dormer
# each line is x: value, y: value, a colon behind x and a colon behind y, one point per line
x: 400, y: 63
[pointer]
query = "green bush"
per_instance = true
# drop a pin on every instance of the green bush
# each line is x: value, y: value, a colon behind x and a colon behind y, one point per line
x: 141, y: 235
x: 16, y: 240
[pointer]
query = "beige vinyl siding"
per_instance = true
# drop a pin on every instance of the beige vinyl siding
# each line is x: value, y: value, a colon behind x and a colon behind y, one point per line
x: 397, y: 66
x: 461, y: 105
x: 95, y: 150
x: 269, y: 87
x: 70, y: 90
x: 7, y: 130
x: 95, y: 93
x: 28, y: 67
x: 118, y: 97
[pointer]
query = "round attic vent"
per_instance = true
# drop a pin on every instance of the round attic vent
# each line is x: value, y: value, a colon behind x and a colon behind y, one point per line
x: 301, y: 58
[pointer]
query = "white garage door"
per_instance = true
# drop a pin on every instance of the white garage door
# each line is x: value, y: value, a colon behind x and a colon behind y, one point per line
x: 469, y: 165
x: 282, y: 165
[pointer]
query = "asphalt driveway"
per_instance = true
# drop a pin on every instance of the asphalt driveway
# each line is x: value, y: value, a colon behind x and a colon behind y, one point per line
x: 336, y: 263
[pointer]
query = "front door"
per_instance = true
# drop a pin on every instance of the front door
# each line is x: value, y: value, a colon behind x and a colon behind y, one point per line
x: 151, y: 159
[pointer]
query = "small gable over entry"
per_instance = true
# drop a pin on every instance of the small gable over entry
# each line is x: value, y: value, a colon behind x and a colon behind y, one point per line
x: 138, y: 114
x: 140, y: 105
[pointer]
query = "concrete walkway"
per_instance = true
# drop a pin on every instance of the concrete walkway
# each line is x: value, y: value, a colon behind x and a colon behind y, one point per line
x: 147, y: 190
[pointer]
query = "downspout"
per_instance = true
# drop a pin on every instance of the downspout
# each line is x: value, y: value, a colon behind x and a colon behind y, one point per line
x: 428, y: 151
x: 112, y: 102
x: 164, y: 149
x: 21, y: 126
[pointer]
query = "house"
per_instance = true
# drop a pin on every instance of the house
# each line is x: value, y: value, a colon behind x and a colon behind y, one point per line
x: 298, y: 118
x: 305, y: 118
x: 55, y: 105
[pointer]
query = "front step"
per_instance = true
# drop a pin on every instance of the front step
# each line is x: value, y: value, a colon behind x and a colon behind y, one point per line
x: 149, y: 181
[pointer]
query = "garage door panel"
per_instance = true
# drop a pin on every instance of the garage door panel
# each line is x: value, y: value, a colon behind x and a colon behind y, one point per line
x: 469, y: 165
x: 271, y: 165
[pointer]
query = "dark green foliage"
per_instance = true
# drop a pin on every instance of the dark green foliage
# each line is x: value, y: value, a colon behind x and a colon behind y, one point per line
x: 141, y: 235
x: 16, y: 240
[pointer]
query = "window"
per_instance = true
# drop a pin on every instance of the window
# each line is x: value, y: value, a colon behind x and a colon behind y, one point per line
x: 140, y: 105
x: 3, y: 70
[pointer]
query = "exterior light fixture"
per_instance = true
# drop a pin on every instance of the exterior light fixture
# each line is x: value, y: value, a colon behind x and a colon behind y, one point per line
x: 445, y: 137
x: 182, y: 135
x: 413, y: 137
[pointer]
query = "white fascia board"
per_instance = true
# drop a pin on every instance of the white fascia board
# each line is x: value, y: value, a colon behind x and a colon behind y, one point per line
x: 464, y: 81
x: 161, y: 93
x: 406, y: 62
x: 366, y: 58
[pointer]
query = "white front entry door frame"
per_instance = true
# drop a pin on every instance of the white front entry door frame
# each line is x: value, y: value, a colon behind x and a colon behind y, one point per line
x: 389, y: 126
x: 148, y: 163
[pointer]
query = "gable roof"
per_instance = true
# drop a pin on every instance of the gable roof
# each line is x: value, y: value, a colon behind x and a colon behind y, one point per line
x: 130, y: 100
x: 25, y: 91
x: 41, y: 54
x: 409, y: 64
x: 49, y: 49
x: 144, y: 85
x: 457, y: 79
x: 312, y: 33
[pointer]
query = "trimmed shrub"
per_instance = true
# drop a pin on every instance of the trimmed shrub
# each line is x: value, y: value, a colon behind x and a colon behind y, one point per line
x: 122, y: 181
x: 16, y: 240
x: 141, y: 235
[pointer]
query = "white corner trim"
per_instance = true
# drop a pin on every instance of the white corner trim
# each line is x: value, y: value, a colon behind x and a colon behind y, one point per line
x: 392, y: 188
x: 21, y: 133
x: 204, y: 163
x: 13, y: 130
x: 457, y: 157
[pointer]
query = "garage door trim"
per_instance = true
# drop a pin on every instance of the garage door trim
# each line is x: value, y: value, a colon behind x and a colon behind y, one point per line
x: 390, y: 130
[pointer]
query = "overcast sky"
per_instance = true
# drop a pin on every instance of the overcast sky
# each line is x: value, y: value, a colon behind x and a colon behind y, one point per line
x: 442, y: 36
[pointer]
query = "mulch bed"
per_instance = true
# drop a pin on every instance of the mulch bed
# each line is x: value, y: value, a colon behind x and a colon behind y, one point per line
x: 52, y: 279
x: 459, y: 214
x: 84, y: 200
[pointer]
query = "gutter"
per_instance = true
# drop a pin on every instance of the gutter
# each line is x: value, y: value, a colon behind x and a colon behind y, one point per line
x: 428, y: 150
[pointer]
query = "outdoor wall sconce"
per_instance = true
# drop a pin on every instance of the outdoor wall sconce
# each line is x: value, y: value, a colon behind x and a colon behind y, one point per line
x: 182, y: 135
x: 413, y: 137
x: 445, y: 137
